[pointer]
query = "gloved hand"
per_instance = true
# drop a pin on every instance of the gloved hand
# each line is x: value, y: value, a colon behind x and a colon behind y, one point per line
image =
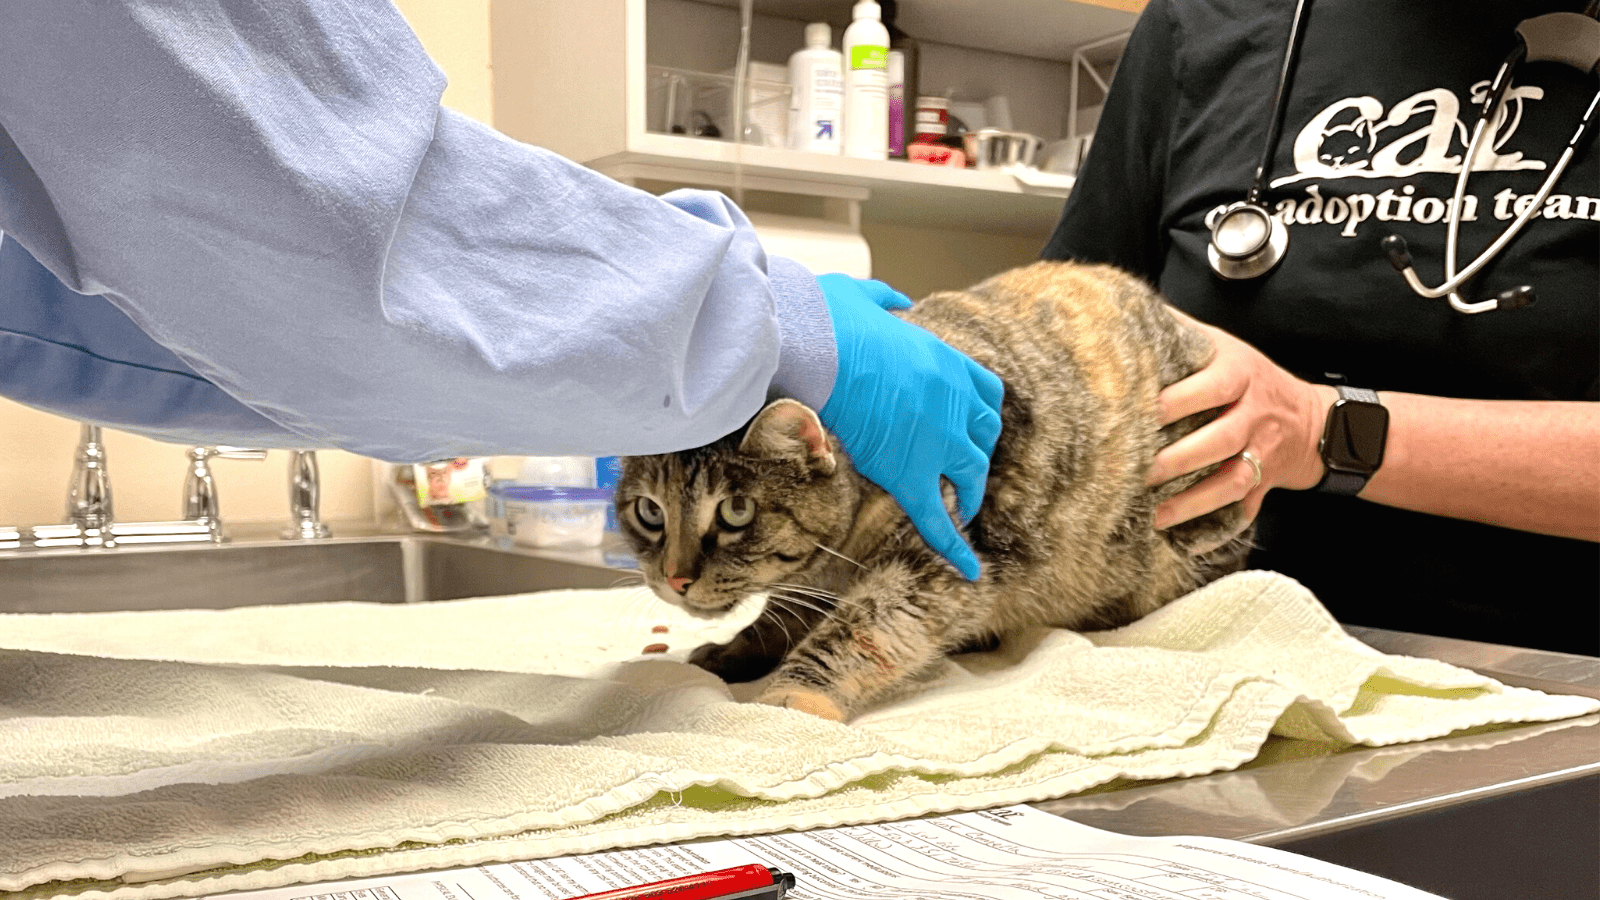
x: 909, y: 408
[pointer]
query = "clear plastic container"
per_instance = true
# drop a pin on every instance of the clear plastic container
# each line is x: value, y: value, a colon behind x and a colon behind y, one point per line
x: 553, y: 517
x: 444, y: 518
x: 557, y: 471
x: 700, y: 104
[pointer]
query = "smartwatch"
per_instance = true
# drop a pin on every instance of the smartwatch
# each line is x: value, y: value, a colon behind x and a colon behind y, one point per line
x: 1352, y: 441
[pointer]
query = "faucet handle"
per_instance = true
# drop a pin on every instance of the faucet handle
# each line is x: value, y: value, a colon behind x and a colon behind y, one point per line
x: 89, y: 493
x: 200, y: 489
x: 305, y: 493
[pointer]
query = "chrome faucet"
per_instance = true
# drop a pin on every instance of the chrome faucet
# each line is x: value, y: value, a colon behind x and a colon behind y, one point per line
x: 200, y: 504
x: 89, y: 494
x: 304, y: 496
x: 90, y: 522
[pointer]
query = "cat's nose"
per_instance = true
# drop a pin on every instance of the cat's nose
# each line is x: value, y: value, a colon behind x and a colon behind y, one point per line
x: 680, y: 585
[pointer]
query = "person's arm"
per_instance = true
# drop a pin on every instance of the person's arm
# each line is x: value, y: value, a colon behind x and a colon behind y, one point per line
x: 82, y: 357
x: 1533, y: 466
x: 279, y: 200
x: 1530, y: 465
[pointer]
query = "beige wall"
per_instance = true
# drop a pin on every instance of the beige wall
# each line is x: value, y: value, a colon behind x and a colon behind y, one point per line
x: 36, y: 449
x: 456, y: 34
x: 919, y: 261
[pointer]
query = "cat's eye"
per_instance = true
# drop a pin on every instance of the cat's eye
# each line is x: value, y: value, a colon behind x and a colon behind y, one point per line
x: 649, y: 513
x: 736, y: 512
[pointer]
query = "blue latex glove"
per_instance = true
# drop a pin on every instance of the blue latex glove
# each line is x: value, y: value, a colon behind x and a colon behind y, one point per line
x: 909, y: 408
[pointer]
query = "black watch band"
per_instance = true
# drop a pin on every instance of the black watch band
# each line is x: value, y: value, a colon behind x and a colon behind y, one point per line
x: 1353, y: 441
x: 1347, y: 483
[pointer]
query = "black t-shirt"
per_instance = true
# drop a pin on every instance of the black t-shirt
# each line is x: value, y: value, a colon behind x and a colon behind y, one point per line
x: 1377, y: 117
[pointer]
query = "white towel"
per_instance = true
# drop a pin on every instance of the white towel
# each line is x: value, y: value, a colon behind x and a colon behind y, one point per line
x: 167, y: 754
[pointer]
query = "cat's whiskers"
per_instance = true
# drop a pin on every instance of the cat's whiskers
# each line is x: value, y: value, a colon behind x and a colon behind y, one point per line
x: 805, y: 598
x: 788, y: 604
x: 629, y: 577
x: 806, y: 590
x: 778, y: 601
x: 635, y: 606
x: 826, y: 549
x: 770, y: 613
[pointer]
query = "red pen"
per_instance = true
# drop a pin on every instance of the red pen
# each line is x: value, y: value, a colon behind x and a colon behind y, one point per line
x: 750, y: 882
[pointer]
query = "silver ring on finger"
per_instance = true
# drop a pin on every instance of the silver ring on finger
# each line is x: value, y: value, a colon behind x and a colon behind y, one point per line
x: 1255, y: 468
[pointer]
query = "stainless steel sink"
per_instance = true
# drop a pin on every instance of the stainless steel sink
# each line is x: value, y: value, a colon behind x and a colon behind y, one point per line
x: 374, y: 568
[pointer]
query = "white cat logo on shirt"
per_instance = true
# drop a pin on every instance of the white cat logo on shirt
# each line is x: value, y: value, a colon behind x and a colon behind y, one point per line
x: 1351, y: 138
x: 1357, y: 138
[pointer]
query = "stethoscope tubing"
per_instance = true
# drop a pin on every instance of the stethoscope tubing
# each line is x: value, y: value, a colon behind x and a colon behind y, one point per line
x: 1453, y: 279
x: 1291, y: 58
x: 1253, y: 262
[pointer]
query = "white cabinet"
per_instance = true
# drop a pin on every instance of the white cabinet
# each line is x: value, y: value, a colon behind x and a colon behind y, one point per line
x: 571, y: 75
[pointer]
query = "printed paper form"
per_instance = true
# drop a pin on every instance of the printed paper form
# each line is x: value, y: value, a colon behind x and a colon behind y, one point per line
x: 1014, y: 853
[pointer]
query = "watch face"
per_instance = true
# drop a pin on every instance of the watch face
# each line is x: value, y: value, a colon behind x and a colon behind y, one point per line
x: 1355, y: 438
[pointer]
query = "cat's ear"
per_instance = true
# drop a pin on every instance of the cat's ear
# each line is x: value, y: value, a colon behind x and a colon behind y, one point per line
x: 788, y: 429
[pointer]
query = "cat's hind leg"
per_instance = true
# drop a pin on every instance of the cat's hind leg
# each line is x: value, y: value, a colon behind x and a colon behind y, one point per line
x: 1214, y: 530
x: 1217, y: 543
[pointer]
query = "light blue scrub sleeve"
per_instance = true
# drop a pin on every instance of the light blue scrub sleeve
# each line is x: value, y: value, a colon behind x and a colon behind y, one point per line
x: 80, y: 356
x: 272, y: 193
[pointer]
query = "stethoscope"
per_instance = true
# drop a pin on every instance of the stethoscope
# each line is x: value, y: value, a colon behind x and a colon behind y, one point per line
x: 1247, y: 240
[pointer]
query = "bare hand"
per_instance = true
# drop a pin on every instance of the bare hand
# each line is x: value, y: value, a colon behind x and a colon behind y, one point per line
x: 1272, y: 414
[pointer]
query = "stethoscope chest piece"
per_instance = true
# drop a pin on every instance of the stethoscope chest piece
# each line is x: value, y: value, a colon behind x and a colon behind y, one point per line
x: 1246, y: 241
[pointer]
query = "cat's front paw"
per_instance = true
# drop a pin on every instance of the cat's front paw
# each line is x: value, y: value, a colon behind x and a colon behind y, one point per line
x: 803, y: 699
x: 735, y: 662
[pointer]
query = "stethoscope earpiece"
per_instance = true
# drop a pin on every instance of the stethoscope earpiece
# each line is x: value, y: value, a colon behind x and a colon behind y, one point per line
x: 1246, y: 241
x: 1515, y: 298
x: 1394, y: 247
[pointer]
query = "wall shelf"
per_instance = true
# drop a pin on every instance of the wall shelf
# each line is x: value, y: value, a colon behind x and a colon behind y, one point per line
x: 991, y: 201
x: 575, y: 61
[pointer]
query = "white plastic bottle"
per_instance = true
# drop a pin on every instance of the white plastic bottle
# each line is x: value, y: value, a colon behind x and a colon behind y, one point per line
x: 816, y: 76
x: 866, y: 84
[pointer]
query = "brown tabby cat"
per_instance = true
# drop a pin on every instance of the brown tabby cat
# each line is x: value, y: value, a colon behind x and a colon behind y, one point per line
x: 857, y: 601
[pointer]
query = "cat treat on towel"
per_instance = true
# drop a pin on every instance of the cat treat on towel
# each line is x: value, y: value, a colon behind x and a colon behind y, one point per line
x: 857, y: 602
